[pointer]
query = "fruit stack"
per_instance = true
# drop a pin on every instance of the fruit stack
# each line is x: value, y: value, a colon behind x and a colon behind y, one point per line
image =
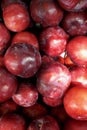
x: 43, y: 65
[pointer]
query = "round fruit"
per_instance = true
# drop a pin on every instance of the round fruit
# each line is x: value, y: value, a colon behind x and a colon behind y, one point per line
x: 22, y: 59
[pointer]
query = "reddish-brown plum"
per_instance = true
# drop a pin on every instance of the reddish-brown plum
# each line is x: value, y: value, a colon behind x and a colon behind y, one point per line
x: 53, y: 41
x: 8, y: 84
x: 77, y: 50
x: 4, y: 38
x: 44, y: 123
x: 68, y: 4
x: 8, y: 106
x: 73, y: 124
x: 46, y: 12
x: 53, y: 102
x: 59, y: 113
x: 75, y: 23
x: 53, y: 80
x: 46, y: 60
x: 35, y: 111
x: 79, y: 75
x: 16, y: 17
x: 12, y: 121
x: 80, y: 6
x: 25, y: 37
x: 1, y: 60
x: 26, y: 95
x: 22, y: 59
x: 4, y: 3
x: 75, y: 102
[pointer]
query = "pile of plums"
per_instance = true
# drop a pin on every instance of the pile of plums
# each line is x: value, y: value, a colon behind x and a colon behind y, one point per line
x: 43, y: 65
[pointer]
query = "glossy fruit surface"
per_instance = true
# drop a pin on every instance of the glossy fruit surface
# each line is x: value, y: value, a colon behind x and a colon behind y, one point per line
x: 53, y: 82
x: 68, y: 4
x: 46, y: 12
x: 53, y: 41
x: 26, y: 95
x: 74, y: 23
x: 77, y: 50
x: 79, y: 75
x: 75, y: 102
x: 22, y: 60
x: 16, y: 17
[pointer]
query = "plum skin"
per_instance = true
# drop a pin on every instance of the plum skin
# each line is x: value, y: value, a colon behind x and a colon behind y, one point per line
x: 53, y: 80
x: 22, y: 60
x: 75, y: 102
x: 77, y: 50
x: 46, y: 12
x: 12, y: 121
x: 16, y: 20
x: 8, y: 84
x: 44, y: 123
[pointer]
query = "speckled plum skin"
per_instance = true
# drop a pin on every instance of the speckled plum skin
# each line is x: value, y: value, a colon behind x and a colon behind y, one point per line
x: 53, y: 41
x: 26, y: 95
x: 53, y: 80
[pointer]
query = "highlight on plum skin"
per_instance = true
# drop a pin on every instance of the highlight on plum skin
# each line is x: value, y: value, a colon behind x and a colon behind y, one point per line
x: 53, y: 41
x: 26, y: 95
x: 22, y: 60
x: 46, y: 12
x: 78, y: 75
x: 74, y: 23
x: 75, y: 102
x: 53, y: 80
x: 77, y: 50
x: 16, y: 17
x: 68, y: 4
